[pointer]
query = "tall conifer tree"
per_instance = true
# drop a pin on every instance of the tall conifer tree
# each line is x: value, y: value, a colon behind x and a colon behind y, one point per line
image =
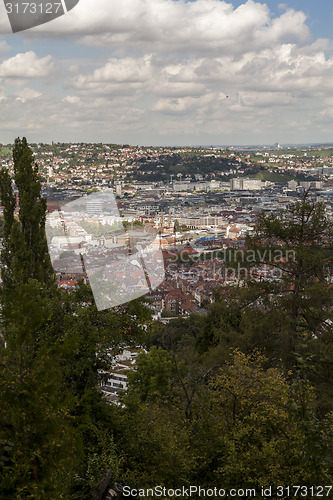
x: 35, y: 434
x: 25, y: 252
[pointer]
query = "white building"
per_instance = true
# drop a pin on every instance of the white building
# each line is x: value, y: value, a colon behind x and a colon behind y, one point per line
x: 94, y: 206
x: 115, y: 379
x: 244, y: 184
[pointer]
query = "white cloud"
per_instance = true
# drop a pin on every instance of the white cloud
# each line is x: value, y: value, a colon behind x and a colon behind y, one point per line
x: 202, y: 25
x: 180, y: 105
x: 26, y: 66
x: 72, y: 99
x: 284, y: 68
x: 290, y: 26
x: 125, y: 70
x: 27, y: 93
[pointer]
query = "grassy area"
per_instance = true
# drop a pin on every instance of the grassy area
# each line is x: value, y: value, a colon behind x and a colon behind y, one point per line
x: 323, y: 153
x: 6, y: 152
x: 297, y: 153
x: 280, y: 152
x: 265, y: 175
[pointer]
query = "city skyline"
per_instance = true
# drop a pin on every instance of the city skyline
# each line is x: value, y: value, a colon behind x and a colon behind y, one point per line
x: 169, y: 72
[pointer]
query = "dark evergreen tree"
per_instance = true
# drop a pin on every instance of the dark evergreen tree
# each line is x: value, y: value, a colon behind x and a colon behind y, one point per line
x: 35, y: 404
x: 25, y: 248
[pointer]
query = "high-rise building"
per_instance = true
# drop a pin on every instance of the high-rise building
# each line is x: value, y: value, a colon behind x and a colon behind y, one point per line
x: 94, y: 207
x: 244, y: 184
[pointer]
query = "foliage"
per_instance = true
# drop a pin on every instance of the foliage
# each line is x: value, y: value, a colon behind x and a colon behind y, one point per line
x: 100, y: 229
x: 35, y: 404
x: 263, y: 433
x: 250, y: 426
x: 135, y: 224
x: 35, y: 416
x: 155, y: 444
x: 152, y: 375
x: 190, y: 165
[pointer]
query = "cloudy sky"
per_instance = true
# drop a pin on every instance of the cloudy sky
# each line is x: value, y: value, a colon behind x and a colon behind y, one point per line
x: 171, y: 72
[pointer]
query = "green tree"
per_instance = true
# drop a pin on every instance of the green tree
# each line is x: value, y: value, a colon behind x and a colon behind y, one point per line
x: 247, y: 419
x: 25, y: 252
x: 251, y: 425
x: 298, y: 308
x: 55, y: 426
x: 264, y: 425
x: 155, y: 445
x: 304, y: 233
x: 35, y: 404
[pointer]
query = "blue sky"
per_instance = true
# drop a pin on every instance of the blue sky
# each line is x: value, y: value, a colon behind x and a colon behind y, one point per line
x: 319, y: 12
x: 166, y: 72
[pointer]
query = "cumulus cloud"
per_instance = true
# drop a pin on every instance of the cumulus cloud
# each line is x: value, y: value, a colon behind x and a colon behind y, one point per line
x: 285, y: 68
x: 48, y: 118
x: 26, y: 66
x: 115, y: 76
x: 72, y: 99
x: 178, y: 25
x: 180, y: 105
x: 27, y: 93
x: 197, y: 48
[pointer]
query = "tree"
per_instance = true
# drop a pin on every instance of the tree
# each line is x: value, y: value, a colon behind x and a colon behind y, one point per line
x: 252, y: 426
x: 245, y: 418
x: 34, y: 401
x: 25, y: 252
x: 155, y: 445
x: 264, y: 425
x: 298, y: 314
x: 153, y: 375
x: 304, y: 233
x: 284, y: 303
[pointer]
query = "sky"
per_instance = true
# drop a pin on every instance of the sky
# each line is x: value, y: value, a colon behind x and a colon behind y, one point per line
x: 171, y: 73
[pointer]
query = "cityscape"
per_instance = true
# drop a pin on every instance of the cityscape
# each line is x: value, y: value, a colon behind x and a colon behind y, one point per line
x: 193, y: 214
